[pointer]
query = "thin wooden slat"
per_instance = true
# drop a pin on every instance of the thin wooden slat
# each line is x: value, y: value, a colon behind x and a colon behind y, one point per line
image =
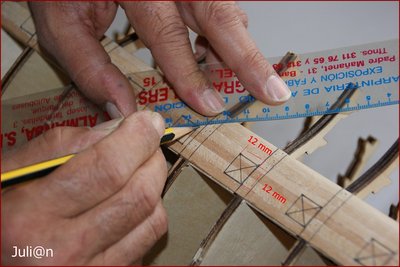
x: 364, y: 151
x: 327, y: 221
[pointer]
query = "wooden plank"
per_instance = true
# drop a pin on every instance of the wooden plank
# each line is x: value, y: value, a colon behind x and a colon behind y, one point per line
x: 333, y: 221
x: 330, y: 219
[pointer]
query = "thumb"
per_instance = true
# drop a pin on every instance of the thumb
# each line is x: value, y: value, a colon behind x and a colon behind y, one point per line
x: 56, y: 143
x: 70, y: 32
x: 93, y: 72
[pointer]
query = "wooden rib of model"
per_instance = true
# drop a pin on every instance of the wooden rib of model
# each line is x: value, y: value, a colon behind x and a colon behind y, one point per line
x: 300, y: 200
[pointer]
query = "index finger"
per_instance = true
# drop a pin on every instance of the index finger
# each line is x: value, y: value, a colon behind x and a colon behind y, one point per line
x: 160, y: 27
x: 222, y: 26
x: 68, y: 32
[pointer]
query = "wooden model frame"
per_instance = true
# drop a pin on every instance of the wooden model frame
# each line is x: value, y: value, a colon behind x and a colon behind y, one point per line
x: 299, y: 203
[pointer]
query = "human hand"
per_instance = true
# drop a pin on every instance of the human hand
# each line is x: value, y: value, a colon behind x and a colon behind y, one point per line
x: 103, y: 207
x: 71, y: 31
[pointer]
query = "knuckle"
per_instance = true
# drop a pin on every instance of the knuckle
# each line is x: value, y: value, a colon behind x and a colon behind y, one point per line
x: 49, y: 17
x: 190, y: 77
x: 222, y: 14
x: 99, y: 72
x: 147, y: 192
x: 107, y: 166
x: 70, y: 139
x: 195, y: 76
x: 120, y: 211
x: 252, y: 58
x: 165, y: 27
x: 160, y: 222
x: 146, y: 134
x: 171, y: 32
x: 244, y: 18
x: 81, y: 139
x: 162, y: 163
x: 146, y: 197
x: 53, y: 138
x: 108, y: 163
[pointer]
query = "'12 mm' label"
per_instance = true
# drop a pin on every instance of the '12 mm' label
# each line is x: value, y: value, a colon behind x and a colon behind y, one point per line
x: 254, y: 141
x: 268, y: 189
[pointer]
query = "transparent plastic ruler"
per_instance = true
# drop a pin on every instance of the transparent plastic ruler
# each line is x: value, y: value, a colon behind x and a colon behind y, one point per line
x: 358, y: 77
x: 316, y: 80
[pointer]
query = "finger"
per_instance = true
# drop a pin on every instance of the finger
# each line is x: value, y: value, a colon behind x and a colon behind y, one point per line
x: 57, y: 142
x: 103, y: 169
x: 243, y: 16
x: 203, y: 50
x: 222, y: 26
x: 160, y: 27
x: 69, y: 32
x: 114, y: 218
x: 134, y: 246
x: 186, y: 9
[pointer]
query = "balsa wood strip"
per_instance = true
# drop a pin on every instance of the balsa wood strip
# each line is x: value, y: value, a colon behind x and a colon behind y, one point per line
x: 305, y: 203
x: 310, y: 206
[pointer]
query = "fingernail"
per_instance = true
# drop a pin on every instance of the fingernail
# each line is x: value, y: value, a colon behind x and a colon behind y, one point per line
x: 277, y: 89
x: 109, y: 126
x: 158, y: 123
x: 213, y: 100
x: 113, y: 111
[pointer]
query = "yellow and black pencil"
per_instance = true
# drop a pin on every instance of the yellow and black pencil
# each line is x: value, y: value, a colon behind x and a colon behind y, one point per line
x: 43, y: 168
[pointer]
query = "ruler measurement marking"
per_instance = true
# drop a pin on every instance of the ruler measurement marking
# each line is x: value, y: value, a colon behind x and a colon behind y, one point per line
x: 292, y: 116
x: 362, y: 65
x: 375, y: 74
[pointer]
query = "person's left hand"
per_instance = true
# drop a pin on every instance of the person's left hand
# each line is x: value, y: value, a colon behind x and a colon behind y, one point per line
x: 70, y: 31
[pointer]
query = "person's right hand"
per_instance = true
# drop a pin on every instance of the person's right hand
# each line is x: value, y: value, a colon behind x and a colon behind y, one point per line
x: 103, y: 207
